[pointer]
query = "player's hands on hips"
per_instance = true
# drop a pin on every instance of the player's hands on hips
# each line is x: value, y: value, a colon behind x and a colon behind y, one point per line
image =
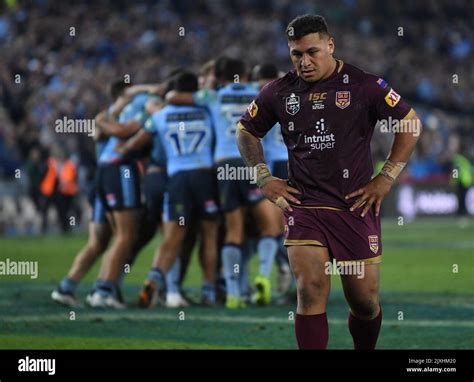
x: 373, y: 192
x: 279, y: 192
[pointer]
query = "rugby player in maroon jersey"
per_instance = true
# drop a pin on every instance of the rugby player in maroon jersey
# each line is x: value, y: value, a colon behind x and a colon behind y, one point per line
x: 328, y: 110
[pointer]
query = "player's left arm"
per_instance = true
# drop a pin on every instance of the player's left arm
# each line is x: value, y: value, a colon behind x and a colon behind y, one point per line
x: 109, y: 127
x: 389, y: 104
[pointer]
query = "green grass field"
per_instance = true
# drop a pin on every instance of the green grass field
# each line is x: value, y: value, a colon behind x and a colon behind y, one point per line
x: 417, y: 281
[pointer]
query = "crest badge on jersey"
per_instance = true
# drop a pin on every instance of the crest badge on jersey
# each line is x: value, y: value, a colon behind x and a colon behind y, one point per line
x: 373, y: 243
x: 292, y: 104
x: 343, y: 99
x: 253, y: 109
x: 392, y: 98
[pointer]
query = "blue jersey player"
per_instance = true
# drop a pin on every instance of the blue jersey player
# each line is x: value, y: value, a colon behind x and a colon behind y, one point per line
x: 186, y: 135
x: 276, y: 156
x: 236, y: 191
x: 99, y: 227
x: 119, y: 187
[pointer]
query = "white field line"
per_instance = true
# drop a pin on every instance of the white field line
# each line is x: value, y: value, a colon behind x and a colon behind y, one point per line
x: 189, y: 317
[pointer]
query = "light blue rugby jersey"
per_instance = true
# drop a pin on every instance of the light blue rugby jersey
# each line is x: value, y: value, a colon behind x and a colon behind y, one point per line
x: 186, y: 135
x: 134, y: 110
x: 100, y: 145
x: 226, y: 105
x: 274, y: 146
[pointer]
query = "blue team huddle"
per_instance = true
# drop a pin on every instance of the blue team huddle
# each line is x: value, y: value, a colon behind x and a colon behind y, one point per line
x: 159, y: 149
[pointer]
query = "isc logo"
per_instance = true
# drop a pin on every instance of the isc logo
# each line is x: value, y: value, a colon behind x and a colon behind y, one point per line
x: 317, y: 96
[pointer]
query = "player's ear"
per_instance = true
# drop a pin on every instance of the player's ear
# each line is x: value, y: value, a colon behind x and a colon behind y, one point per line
x: 330, y: 45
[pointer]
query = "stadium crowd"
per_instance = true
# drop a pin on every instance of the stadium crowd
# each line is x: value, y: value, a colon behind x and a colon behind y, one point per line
x: 58, y: 57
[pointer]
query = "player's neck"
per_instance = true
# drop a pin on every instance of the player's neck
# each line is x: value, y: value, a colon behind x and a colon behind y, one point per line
x: 331, y: 69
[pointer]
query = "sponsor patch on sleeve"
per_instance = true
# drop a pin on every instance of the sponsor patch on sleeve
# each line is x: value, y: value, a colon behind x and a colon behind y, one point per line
x: 392, y: 98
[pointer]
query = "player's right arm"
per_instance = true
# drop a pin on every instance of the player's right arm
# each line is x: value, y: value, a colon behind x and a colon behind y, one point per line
x: 135, y: 143
x: 106, y: 127
x: 156, y: 89
x: 253, y: 126
x: 110, y: 127
x: 139, y: 140
x: 200, y: 98
x: 99, y: 134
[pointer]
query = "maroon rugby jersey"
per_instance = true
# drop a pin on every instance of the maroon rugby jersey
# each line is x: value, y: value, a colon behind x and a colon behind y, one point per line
x: 327, y: 127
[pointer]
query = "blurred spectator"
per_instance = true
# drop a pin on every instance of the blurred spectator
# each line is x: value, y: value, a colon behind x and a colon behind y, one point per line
x: 36, y: 168
x: 57, y: 58
x: 58, y: 187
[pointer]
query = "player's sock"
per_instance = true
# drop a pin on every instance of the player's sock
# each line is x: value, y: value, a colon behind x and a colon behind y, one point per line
x: 267, y: 248
x: 282, y: 250
x: 94, y: 286
x: 244, y: 283
x: 106, y: 288
x: 312, y: 331
x: 156, y: 275
x: 209, y: 292
x: 281, y: 257
x: 365, y: 332
x: 68, y: 285
x: 172, y: 277
x: 231, y: 255
x: 122, y: 274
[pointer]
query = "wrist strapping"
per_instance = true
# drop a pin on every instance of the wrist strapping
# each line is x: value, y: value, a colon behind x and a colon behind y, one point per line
x: 264, y: 175
x: 392, y: 169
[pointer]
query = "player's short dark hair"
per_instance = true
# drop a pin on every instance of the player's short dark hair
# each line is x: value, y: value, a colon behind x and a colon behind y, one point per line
x: 185, y: 82
x: 117, y: 88
x: 219, y: 66
x: 171, y: 77
x: 306, y: 24
x: 226, y: 68
x: 266, y: 71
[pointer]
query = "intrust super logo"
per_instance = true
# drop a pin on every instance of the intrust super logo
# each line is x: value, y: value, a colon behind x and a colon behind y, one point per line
x: 322, y: 140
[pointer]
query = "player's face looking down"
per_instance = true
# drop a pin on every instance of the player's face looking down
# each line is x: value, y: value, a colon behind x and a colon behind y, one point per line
x: 312, y: 56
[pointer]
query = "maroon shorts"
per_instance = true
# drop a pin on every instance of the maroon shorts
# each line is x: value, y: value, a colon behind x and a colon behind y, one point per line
x: 347, y: 236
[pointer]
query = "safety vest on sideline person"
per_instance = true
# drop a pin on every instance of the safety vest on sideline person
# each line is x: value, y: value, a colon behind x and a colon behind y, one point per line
x: 67, y: 178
